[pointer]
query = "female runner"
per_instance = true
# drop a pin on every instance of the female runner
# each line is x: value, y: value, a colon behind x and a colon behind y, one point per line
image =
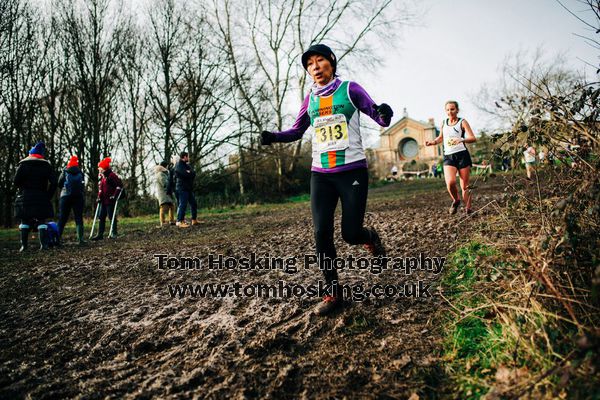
x: 339, y: 166
x: 456, y: 155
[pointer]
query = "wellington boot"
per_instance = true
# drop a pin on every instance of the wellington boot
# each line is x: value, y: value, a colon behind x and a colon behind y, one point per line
x: 79, y: 230
x: 43, y: 237
x: 24, y: 238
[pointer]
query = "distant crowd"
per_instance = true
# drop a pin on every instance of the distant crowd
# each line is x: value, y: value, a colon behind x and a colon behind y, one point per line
x: 36, y: 183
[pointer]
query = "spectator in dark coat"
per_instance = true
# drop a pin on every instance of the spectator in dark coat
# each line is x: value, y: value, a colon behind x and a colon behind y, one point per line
x: 184, y: 187
x: 71, y: 183
x: 35, y: 181
x: 171, y: 184
x: 109, y: 188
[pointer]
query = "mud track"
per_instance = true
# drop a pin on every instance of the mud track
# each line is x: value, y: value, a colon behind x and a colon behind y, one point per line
x: 98, y: 321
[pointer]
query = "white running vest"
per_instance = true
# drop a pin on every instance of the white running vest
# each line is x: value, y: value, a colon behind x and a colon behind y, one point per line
x: 453, y: 132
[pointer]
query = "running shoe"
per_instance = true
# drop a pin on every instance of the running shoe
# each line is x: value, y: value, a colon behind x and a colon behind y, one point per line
x: 328, y: 305
x: 375, y: 247
x: 454, y: 207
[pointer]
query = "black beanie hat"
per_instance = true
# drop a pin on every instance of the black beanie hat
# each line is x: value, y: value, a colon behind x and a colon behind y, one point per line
x: 322, y: 50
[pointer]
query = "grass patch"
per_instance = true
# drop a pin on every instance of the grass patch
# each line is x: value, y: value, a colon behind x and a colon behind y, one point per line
x: 475, y: 344
x: 301, y: 198
x: 498, y: 338
x: 463, y: 268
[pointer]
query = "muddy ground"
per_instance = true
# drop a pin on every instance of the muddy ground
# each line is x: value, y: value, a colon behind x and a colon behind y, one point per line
x: 98, y: 321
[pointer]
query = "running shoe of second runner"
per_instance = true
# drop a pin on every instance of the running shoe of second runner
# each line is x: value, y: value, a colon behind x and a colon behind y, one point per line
x: 375, y: 247
x: 454, y: 207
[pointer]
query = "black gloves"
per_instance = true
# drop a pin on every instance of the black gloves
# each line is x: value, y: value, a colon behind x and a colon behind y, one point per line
x: 384, y: 111
x: 266, y: 138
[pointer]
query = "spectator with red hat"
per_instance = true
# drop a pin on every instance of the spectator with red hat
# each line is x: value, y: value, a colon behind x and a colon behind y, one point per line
x: 36, y: 182
x: 109, y: 188
x: 71, y: 183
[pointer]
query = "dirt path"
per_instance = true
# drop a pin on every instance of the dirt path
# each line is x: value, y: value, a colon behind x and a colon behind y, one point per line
x: 99, y: 322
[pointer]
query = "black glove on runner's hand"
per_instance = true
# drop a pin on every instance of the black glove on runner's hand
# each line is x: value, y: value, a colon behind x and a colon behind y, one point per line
x: 266, y: 138
x: 384, y: 111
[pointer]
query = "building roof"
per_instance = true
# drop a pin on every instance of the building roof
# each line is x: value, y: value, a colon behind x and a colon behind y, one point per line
x: 403, y: 120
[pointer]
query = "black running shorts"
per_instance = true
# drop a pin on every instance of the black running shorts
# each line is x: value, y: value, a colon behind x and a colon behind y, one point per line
x: 459, y: 160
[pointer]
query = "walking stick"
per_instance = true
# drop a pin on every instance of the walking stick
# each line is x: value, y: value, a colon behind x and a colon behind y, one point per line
x: 112, y: 223
x: 95, y: 218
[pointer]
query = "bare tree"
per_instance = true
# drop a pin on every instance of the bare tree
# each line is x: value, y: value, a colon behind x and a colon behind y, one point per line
x: 134, y: 115
x: 51, y: 116
x: 21, y: 75
x: 201, y: 91
x: 95, y: 32
x: 263, y: 41
x: 167, y: 40
x: 245, y: 103
x: 589, y: 16
x: 509, y: 99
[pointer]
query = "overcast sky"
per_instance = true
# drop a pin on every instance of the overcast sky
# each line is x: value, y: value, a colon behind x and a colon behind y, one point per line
x: 459, y: 45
